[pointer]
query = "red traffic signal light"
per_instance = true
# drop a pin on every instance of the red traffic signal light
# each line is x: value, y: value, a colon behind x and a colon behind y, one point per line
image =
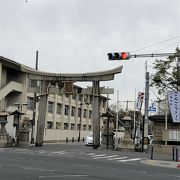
x: 119, y: 56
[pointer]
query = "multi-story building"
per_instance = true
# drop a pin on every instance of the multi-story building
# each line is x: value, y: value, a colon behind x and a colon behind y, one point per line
x: 68, y: 115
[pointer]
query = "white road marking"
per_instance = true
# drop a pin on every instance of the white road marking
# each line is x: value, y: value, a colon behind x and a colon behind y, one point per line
x: 90, y: 154
x: 142, y: 172
x: 133, y: 159
x: 36, y: 169
x: 42, y: 151
x: 111, y: 159
x: 98, y: 155
x: 101, y: 157
x: 59, y: 152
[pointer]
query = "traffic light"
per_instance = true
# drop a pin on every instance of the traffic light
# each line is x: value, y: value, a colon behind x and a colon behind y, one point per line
x: 119, y: 56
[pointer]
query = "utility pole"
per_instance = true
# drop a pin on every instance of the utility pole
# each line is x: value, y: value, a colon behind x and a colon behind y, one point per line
x: 145, y: 123
x: 34, y: 106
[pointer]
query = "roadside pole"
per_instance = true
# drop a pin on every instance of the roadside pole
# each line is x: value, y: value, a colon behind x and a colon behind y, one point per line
x: 117, y: 109
x: 166, y: 113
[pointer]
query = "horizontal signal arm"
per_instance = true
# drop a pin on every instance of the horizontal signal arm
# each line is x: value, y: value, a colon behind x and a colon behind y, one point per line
x: 154, y: 55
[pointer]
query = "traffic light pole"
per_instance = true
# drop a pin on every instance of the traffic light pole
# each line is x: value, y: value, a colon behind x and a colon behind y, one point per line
x: 126, y: 56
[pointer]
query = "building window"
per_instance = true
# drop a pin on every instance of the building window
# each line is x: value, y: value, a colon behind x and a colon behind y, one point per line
x: 49, y: 125
x: 65, y: 125
x: 91, y: 99
x: 90, y: 114
x: 78, y: 126
x: 52, y: 83
x: 86, y: 99
x: 74, y: 95
x: 66, y: 110
x: 73, y: 111
x: 72, y: 126
x: 58, y: 125
x: 89, y: 127
x: 84, y: 127
x: 30, y: 102
x: 58, y: 110
x: 79, y: 97
x: 50, y: 107
x: 79, y: 112
x: 32, y: 83
x: 85, y: 112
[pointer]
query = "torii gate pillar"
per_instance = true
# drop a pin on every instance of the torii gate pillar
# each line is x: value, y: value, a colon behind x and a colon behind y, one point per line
x: 96, y: 115
x: 42, y: 114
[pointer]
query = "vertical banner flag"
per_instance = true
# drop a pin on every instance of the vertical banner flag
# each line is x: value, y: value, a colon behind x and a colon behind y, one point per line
x: 174, y: 104
x: 140, y: 99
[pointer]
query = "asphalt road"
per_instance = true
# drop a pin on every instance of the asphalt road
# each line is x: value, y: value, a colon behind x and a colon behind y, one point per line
x: 77, y: 162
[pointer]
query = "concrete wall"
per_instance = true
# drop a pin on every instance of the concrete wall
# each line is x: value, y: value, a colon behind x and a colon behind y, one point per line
x: 51, y: 135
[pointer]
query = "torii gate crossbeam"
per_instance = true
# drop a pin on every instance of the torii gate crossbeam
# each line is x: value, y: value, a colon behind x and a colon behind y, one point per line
x: 95, y: 77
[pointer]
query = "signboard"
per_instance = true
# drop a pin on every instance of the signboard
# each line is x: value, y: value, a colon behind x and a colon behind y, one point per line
x: 152, y: 108
x: 174, y: 104
x: 139, y: 100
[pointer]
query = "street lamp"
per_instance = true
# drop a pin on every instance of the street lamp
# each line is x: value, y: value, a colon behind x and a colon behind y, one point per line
x: 17, y: 114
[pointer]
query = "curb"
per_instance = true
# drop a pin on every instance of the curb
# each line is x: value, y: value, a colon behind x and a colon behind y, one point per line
x: 166, y: 164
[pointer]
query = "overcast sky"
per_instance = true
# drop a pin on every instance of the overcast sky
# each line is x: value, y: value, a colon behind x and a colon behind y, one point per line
x: 76, y: 35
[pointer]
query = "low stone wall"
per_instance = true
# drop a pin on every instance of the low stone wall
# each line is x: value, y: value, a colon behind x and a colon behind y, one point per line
x: 162, y: 149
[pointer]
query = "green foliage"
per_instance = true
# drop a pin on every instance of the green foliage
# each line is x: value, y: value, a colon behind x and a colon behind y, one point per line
x: 167, y: 74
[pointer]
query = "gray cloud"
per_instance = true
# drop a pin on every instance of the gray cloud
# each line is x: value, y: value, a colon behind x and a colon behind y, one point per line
x: 76, y: 35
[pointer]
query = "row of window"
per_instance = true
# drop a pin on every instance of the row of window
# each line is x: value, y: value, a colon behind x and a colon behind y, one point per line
x: 66, y: 126
x: 87, y: 98
x: 34, y: 83
x: 59, y: 108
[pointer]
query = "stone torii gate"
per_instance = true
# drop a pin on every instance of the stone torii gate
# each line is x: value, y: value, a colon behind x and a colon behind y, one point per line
x: 94, y: 77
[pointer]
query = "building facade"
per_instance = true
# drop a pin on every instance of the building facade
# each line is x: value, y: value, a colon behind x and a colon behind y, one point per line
x: 69, y: 115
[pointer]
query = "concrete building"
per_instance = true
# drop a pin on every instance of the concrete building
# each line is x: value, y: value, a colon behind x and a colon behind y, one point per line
x: 69, y: 115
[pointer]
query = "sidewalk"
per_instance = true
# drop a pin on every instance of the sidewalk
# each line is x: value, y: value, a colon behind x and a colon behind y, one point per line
x: 161, y: 163
x: 162, y: 160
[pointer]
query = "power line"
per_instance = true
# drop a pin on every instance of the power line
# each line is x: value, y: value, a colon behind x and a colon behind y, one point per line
x: 166, y: 46
x: 155, y: 44
x: 154, y: 93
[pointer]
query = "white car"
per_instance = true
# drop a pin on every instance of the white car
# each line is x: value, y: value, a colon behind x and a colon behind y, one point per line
x: 89, y: 139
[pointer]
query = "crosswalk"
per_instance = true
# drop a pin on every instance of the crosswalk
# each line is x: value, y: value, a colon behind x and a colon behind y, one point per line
x: 114, y: 157
x: 93, y: 156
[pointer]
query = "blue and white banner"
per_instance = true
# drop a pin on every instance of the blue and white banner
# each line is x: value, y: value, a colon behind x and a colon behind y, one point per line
x: 174, y: 104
